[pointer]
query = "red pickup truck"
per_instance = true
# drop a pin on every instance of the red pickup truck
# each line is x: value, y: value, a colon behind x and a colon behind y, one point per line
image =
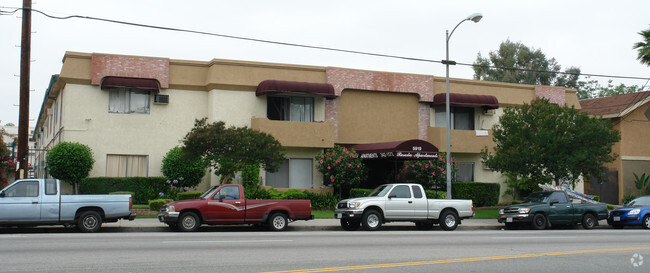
x: 225, y: 204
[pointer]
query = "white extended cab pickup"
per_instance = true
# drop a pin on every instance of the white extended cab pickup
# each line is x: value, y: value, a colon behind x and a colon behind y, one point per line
x: 402, y: 202
x: 34, y: 202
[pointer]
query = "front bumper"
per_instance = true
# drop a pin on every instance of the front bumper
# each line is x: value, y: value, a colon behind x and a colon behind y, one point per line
x: 514, y: 218
x: 624, y: 220
x: 168, y: 217
x: 348, y: 214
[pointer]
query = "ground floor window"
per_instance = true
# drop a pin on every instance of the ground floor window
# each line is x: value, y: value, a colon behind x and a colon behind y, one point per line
x: 127, y: 165
x: 294, y: 173
x: 465, y: 172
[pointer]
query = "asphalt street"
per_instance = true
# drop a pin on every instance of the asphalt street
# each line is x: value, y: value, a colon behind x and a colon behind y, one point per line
x: 397, y: 248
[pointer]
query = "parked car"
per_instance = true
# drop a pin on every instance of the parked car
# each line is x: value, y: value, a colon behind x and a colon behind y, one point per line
x: 227, y: 205
x: 33, y: 202
x: 634, y: 213
x: 401, y: 202
x: 541, y: 209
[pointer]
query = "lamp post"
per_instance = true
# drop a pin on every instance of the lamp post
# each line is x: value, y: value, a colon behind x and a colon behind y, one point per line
x: 476, y: 17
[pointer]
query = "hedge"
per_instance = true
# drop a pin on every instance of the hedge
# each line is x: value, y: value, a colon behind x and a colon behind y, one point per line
x: 359, y: 192
x: 189, y: 195
x: 482, y: 194
x: 156, y: 204
x: 143, y: 188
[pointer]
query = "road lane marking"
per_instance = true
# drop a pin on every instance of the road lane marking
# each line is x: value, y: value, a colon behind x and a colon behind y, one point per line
x: 532, y: 238
x: 460, y: 260
x: 234, y: 241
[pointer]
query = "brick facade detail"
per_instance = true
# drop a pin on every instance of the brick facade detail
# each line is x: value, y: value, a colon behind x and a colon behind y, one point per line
x: 133, y: 67
x: 555, y: 95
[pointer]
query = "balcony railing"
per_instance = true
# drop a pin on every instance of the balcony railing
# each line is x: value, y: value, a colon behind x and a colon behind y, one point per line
x: 296, y: 133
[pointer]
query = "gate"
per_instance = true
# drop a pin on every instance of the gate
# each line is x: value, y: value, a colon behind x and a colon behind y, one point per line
x: 607, y: 189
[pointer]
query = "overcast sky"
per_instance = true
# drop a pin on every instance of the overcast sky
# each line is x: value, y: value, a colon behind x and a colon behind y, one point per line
x: 596, y: 36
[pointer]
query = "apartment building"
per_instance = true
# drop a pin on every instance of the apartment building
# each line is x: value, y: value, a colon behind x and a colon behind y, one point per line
x: 131, y: 110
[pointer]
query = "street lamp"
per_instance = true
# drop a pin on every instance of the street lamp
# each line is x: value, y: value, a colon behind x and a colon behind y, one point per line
x: 475, y: 18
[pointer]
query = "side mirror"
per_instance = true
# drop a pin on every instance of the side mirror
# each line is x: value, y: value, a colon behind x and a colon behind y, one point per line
x: 555, y: 201
x: 221, y: 197
x: 392, y: 196
x: 2, y: 194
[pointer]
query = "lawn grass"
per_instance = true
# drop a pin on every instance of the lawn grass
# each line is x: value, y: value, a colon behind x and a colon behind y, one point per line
x: 323, y: 214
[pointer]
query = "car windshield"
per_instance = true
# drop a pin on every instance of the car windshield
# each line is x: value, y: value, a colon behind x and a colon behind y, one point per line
x: 641, y: 201
x: 207, y: 194
x: 380, y: 191
x: 538, y: 197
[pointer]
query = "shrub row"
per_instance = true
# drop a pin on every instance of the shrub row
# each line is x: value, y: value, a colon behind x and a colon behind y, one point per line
x: 157, y: 203
x: 143, y: 188
x: 318, y: 201
x: 482, y: 194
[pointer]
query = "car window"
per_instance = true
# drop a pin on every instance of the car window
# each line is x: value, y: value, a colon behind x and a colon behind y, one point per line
x: 228, y: 192
x: 417, y: 192
x: 50, y: 187
x: 401, y: 192
x: 380, y: 191
x: 537, y: 197
x: 23, y: 189
x: 560, y: 196
x: 641, y: 201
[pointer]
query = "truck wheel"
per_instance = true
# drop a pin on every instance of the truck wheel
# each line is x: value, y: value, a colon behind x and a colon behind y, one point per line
x: 646, y: 222
x: 188, y: 222
x: 89, y: 221
x: 371, y: 220
x: 588, y: 221
x: 539, y: 221
x: 350, y: 225
x: 448, y: 220
x: 278, y: 222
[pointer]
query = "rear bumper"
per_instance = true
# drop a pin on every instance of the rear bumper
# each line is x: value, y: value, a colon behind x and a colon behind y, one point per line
x: 131, y: 216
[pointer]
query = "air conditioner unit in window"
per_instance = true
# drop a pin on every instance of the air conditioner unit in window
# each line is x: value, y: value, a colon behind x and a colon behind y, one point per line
x: 489, y: 112
x: 160, y: 99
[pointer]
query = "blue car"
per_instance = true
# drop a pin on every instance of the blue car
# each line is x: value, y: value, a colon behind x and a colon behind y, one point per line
x: 634, y: 213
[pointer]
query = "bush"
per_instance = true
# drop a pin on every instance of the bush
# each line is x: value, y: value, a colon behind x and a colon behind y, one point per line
x: 156, y: 204
x: 186, y: 172
x: 322, y: 201
x: 189, y: 195
x: 434, y: 194
x: 517, y: 202
x: 294, y: 194
x: 124, y: 192
x: 359, y: 192
x: 143, y: 188
x: 482, y: 194
x: 595, y: 197
x: 627, y: 198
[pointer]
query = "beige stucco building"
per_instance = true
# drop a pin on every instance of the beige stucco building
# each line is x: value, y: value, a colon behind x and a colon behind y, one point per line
x: 630, y: 114
x: 131, y: 110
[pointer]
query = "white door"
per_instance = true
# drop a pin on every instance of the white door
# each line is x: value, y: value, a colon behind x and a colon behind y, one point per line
x: 400, y: 203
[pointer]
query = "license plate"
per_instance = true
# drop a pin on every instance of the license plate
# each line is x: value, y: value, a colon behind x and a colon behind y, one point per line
x: 338, y: 215
x: 509, y: 220
x: 617, y: 218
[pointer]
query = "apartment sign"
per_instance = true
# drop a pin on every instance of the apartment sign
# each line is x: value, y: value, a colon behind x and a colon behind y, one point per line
x: 415, y: 153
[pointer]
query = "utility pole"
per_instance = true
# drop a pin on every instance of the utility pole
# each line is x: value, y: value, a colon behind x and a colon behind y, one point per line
x: 23, y: 116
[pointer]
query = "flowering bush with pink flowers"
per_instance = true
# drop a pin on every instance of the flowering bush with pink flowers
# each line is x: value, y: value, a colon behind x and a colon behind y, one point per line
x: 7, y: 162
x: 341, y: 167
x: 428, y: 173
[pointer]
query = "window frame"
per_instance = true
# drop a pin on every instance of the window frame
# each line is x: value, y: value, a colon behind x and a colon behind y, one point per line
x: 283, y: 105
x: 130, y: 108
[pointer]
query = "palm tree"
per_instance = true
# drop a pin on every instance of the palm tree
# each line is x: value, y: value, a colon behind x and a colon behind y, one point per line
x: 644, y: 47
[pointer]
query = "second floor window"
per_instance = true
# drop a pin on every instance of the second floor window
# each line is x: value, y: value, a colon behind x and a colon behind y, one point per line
x: 290, y: 108
x: 128, y: 101
x: 462, y: 118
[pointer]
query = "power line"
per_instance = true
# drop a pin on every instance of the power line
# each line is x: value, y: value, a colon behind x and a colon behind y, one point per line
x: 312, y: 46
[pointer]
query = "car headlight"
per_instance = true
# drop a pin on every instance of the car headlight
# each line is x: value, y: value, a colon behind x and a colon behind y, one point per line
x: 634, y: 212
x: 501, y: 211
x: 171, y: 208
x: 352, y: 205
x: 524, y: 210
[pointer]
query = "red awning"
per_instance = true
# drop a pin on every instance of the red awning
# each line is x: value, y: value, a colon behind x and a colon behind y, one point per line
x: 405, y: 149
x: 121, y: 82
x: 466, y: 100
x: 270, y: 87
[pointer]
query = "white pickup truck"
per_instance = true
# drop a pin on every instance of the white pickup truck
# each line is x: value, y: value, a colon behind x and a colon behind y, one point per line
x: 401, y: 202
x: 33, y: 202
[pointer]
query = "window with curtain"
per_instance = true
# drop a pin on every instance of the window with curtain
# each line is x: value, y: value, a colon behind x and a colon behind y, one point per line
x: 462, y: 118
x: 295, y: 173
x: 465, y: 172
x: 127, y: 165
x: 128, y: 101
x: 290, y: 108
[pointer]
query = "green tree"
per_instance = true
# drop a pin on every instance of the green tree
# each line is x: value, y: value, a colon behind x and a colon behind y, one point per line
x: 184, y: 172
x: 644, y: 47
x: 546, y: 142
x: 341, y: 167
x: 431, y: 174
x: 592, y: 89
x: 528, y: 66
x: 70, y: 162
x: 227, y: 150
x: 7, y: 162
